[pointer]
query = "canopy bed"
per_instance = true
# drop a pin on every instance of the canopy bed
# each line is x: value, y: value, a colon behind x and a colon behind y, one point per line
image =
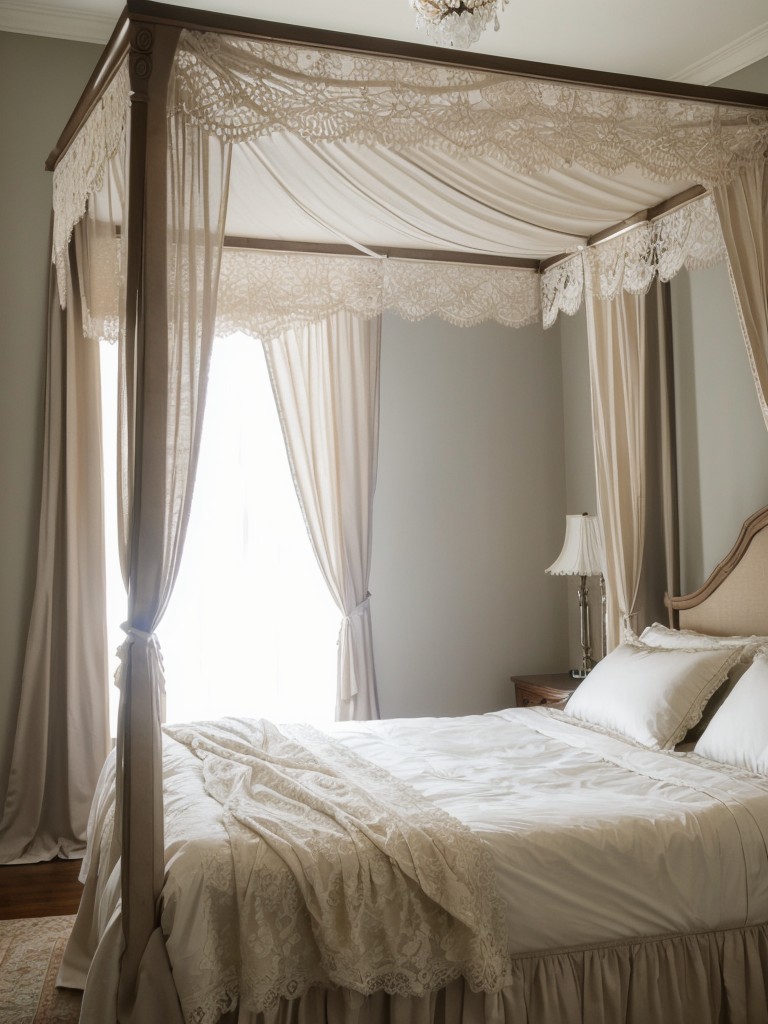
x: 609, y: 879
x: 223, y: 175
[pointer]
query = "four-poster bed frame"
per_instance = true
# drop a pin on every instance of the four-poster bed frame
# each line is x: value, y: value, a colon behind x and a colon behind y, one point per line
x: 148, y: 35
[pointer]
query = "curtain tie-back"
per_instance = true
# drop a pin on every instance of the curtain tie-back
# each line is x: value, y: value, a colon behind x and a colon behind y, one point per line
x: 347, y: 681
x: 359, y: 609
x: 150, y: 642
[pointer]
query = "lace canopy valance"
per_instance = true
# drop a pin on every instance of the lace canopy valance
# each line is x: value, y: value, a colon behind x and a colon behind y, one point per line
x: 244, y: 89
x: 264, y: 293
x: 689, y: 237
x: 490, y: 163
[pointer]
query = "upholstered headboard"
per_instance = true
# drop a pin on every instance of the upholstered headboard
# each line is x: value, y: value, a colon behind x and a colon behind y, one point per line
x: 735, y: 597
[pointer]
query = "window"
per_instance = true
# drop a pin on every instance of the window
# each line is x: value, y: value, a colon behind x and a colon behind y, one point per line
x: 251, y: 628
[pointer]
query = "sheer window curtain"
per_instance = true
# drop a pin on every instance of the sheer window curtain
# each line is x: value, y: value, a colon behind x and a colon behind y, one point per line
x: 62, y: 731
x: 251, y: 627
x: 325, y: 379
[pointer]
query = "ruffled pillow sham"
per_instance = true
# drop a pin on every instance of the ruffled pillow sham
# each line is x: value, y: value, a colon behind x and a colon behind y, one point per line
x: 649, y: 694
x: 738, y: 732
x: 657, y: 635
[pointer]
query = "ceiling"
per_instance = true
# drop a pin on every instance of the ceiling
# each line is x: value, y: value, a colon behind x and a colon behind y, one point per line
x: 699, y: 41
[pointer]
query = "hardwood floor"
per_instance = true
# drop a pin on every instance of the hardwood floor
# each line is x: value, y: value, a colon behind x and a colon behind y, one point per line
x: 39, y: 890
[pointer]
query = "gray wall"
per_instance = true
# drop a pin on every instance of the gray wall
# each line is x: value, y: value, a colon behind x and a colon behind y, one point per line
x: 722, y: 439
x: 40, y: 82
x: 753, y: 78
x: 467, y: 516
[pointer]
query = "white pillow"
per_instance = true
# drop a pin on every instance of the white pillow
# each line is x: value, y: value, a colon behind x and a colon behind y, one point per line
x: 649, y: 694
x: 738, y: 733
x: 675, y: 639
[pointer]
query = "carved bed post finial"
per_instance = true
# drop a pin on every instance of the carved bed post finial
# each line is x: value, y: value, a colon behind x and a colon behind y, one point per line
x: 140, y: 63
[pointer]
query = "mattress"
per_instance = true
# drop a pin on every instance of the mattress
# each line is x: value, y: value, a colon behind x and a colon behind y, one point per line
x: 593, y: 839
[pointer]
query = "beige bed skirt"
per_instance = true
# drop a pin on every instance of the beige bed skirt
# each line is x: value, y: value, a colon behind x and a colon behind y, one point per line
x: 718, y: 977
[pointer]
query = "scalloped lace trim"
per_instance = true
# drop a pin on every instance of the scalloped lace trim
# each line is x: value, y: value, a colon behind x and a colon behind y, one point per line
x: 263, y: 294
x: 689, y: 237
x: 80, y: 171
x: 246, y: 89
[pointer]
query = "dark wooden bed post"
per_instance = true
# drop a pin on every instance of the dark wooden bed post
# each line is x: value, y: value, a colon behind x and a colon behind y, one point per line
x: 152, y: 49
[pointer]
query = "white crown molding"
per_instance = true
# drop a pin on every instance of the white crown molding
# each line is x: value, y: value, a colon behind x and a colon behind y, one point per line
x: 31, y: 18
x: 728, y: 59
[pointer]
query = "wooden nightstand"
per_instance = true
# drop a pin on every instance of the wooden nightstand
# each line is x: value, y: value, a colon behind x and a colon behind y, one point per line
x: 551, y: 690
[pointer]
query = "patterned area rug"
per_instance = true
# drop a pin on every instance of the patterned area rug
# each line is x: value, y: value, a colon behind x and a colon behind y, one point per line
x: 30, y: 954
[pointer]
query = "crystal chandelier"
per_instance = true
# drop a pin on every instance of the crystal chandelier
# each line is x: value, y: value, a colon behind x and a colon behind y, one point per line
x: 457, y: 22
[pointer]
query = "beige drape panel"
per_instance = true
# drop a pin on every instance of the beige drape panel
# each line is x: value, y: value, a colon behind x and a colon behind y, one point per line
x: 632, y: 384
x: 660, y: 568
x: 616, y: 332
x: 743, y: 209
x: 62, y: 728
x: 326, y: 384
x: 161, y: 420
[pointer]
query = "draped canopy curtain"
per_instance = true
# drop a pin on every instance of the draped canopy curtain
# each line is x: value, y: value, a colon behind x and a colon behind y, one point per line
x: 162, y: 389
x: 616, y: 333
x: 632, y: 388
x: 742, y: 205
x: 62, y: 729
x: 325, y: 378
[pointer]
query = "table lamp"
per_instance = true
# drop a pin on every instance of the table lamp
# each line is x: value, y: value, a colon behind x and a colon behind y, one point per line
x: 582, y: 555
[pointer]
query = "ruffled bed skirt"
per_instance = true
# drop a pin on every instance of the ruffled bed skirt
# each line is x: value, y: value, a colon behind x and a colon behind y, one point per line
x: 716, y: 977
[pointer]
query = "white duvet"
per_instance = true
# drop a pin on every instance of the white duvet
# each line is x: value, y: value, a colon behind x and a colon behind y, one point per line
x: 593, y: 839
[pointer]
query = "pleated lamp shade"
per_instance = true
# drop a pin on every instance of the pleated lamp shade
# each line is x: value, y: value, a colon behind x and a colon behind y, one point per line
x: 582, y: 553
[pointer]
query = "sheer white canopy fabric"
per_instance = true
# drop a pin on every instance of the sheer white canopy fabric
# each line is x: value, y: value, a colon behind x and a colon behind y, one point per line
x: 161, y: 421
x: 422, y: 197
x: 469, y: 161
x: 326, y: 384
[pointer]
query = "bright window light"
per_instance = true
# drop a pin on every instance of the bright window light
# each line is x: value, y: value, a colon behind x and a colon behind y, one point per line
x: 251, y: 627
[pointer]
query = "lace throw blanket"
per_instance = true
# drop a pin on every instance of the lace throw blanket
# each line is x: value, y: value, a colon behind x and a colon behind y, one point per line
x: 345, y: 876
